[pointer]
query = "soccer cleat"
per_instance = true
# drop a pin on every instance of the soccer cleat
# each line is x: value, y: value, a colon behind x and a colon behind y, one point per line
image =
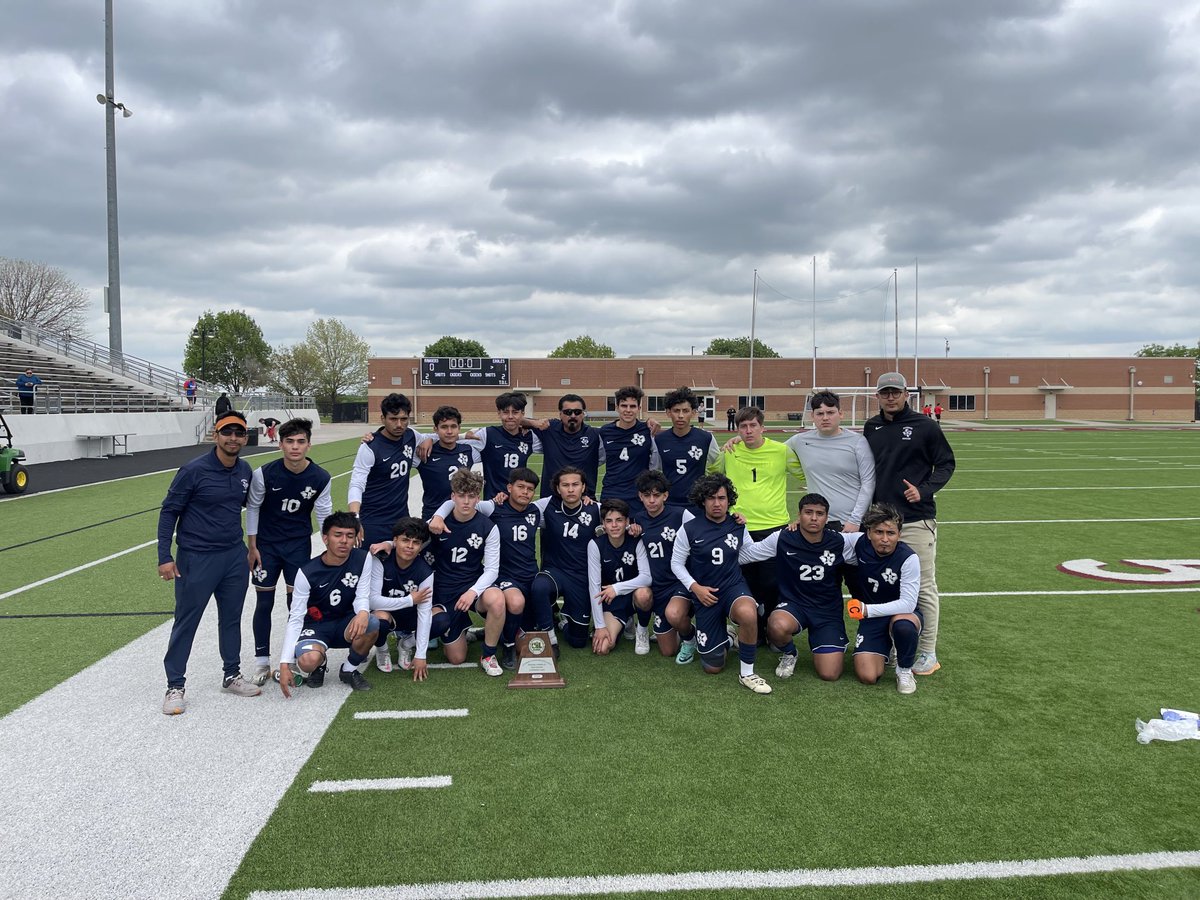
x: 508, y: 657
x: 474, y: 634
x: 316, y: 677
x: 490, y: 666
x: 355, y: 680
x: 926, y: 664
x: 905, y: 682
x: 406, y: 649
x: 173, y: 703
x: 755, y: 682
x: 687, y: 652
x: 631, y: 629
x: 641, y: 644
x: 787, y: 665
x: 236, y: 684
x: 261, y: 676
x: 383, y: 659
x: 891, y: 660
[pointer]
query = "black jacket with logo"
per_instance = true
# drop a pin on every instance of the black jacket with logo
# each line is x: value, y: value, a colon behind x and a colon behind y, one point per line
x: 910, y: 447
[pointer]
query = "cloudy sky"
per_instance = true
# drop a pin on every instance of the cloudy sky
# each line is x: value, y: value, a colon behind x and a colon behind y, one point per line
x: 521, y: 171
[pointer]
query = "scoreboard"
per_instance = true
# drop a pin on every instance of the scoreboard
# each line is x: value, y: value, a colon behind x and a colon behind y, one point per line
x: 465, y: 371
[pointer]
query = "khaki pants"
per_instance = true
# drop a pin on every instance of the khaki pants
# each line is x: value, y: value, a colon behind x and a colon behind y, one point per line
x: 922, y: 537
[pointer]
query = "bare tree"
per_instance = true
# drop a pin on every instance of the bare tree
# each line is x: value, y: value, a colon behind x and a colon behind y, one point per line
x: 42, y: 295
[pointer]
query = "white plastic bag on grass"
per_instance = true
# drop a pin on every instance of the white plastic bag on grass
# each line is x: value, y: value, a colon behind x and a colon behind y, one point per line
x: 1175, y: 725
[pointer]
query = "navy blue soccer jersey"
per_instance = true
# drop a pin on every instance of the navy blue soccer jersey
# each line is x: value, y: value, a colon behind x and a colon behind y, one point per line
x: 401, y: 582
x: 624, y: 567
x: 466, y: 556
x: 333, y: 592
x: 684, y: 459
x: 707, y: 552
x: 658, y: 537
x: 281, y: 502
x: 380, y: 478
x: 502, y: 452
x: 560, y: 448
x: 628, y: 452
x: 565, y: 534
x: 437, y: 470
x: 518, y: 539
x: 889, y: 583
x: 807, y: 572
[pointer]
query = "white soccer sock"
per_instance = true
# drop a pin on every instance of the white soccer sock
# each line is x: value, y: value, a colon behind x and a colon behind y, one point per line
x: 746, y: 668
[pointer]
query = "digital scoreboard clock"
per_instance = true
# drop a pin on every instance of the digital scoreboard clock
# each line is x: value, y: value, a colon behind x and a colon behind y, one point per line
x: 464, y: 371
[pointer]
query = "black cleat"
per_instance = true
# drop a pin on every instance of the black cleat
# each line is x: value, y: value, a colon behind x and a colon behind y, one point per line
x: 316, y: 678
x: 355, y: 680
x: 508, y: 657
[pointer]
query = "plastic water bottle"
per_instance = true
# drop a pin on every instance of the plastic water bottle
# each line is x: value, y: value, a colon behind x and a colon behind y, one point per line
x: 298, y: 677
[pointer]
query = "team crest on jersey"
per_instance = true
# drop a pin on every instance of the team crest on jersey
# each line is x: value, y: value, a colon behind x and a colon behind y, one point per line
x: 637, y: 440
x: 350, y: 579
x: 585, y: 518
x: 668, y: 534
x: 889, y: 576
x: 522, y: 447
x: 583, y: 441
x: 906, y: 433
x: 410, y: 586
x: 408, y: 452
x: 260, y: 574
x: 731, y: 541
x: 828, y: 558
x: 531, y: 519
x: 628, y: 558
x: 245, y: 484
x: 308, y: 493
x: 695, y: 453
x: 429, y: 557
x: 475, y: 541
x: 462, y: 459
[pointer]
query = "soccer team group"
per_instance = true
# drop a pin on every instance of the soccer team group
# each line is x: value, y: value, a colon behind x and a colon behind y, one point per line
x: 689, y: 545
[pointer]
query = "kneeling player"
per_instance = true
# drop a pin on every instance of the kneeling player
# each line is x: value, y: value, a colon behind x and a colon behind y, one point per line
x: 617, y: 566
x: 569, y: 524
x: 890, y: 574
x: 404, y: 598
x: 331, y: 608
x: 708, y: 549
x: 659, y: 524
x: 807, y: 562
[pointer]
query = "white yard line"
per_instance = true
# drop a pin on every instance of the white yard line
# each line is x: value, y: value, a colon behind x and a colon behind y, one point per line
x: 85, y: 566
x: 411, y: 714
x: 1014, y: 489
x: 747, y: 880
x: 1064, y: 521
x: 379, y: 784
x: 1163, y: 590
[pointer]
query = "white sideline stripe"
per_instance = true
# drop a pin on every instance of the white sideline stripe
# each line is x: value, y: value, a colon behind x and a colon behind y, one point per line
x: 672, y: 882
x: 1067, y: 521
x: 1015, y: 489
x: 94, y: 777
x: 412, y: 714
x: 1165, y: 590
x: 378, y: 784
x: 461, y: 665
x: 95, y: 562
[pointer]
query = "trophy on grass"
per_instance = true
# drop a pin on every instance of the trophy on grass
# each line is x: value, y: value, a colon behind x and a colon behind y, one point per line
x: 536, y: 666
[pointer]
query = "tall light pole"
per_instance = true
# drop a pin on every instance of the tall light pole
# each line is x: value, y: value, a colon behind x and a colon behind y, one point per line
x: 110, y: 145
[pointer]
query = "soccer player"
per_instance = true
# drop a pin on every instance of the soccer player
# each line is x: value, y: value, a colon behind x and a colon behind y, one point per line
x: 466, y: 563
x: 518, y: 519
x: 405, y: 598
x: 617, y: 566
x: 913, y: 461
x: 379, y: 480
x: 279, y: 509
x: 705, y: 561
x: 506, y: 446
x: 628, y: 449
x: 569, y: 441
x: 835, y: 462
x: 447, y: 455
x: 568, y: 525
x: 888, y: 614
x: 807, y: 561
x: 331, y: 608
x: 684, y: 451
x: 203, y: 509
x: 659, y: 523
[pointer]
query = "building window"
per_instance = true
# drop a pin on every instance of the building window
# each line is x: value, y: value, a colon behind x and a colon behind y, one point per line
x: 564, y: 381
x: 962, y: 402
x: 654, y: 403
x: 1168, y: 379
x: 757, y: 400
x: 1014, y: 379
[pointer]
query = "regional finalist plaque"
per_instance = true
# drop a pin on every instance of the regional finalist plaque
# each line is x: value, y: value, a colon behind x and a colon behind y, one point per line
x: 536, y: 667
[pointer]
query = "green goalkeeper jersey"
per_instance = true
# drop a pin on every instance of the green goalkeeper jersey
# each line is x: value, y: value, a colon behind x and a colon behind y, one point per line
x: 760, y: 477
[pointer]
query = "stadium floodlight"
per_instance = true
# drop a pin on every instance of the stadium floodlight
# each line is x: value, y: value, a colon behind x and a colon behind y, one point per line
x: 110, y: 147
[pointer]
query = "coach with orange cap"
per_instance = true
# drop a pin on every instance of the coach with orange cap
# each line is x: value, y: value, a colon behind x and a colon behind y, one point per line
x: 203, y: 509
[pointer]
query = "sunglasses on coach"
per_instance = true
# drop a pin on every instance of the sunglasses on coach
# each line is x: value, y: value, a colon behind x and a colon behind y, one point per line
x: 233, y: 431
x: 571, y: 412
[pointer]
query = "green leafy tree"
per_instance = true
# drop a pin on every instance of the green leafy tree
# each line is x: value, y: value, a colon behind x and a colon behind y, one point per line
x: 582, y: 347
x: 1178, y: 351
x: 739, y: 347
x: 294, y: 370
x: 455, y: 346
x: 227, y: 349
x: 341, y: 359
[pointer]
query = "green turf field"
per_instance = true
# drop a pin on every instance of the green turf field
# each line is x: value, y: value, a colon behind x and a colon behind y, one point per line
x: 1021, y: 747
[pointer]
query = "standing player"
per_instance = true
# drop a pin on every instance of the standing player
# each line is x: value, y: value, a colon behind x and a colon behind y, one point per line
x: 888, y: 615
x: 405, y: 598
x: 506, y: 446
x: 685, y: 451
x: 332, y: 608
x: 707, y: 548
x: 447, y: 455
x: 568, y: 525
x: 203, y: 509
x: 913, y: 461
x: 628, y: 449
x: 836, y: 463
x: 807, y: 562
x: 569, y: 441
x: 659, y: 524
x: 379, y: 481
x: 466, y: 563
x: 283, y: 495
x: 617, y: 567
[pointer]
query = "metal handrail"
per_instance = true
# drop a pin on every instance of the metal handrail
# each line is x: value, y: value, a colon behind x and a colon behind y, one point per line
x: 54, y: 399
